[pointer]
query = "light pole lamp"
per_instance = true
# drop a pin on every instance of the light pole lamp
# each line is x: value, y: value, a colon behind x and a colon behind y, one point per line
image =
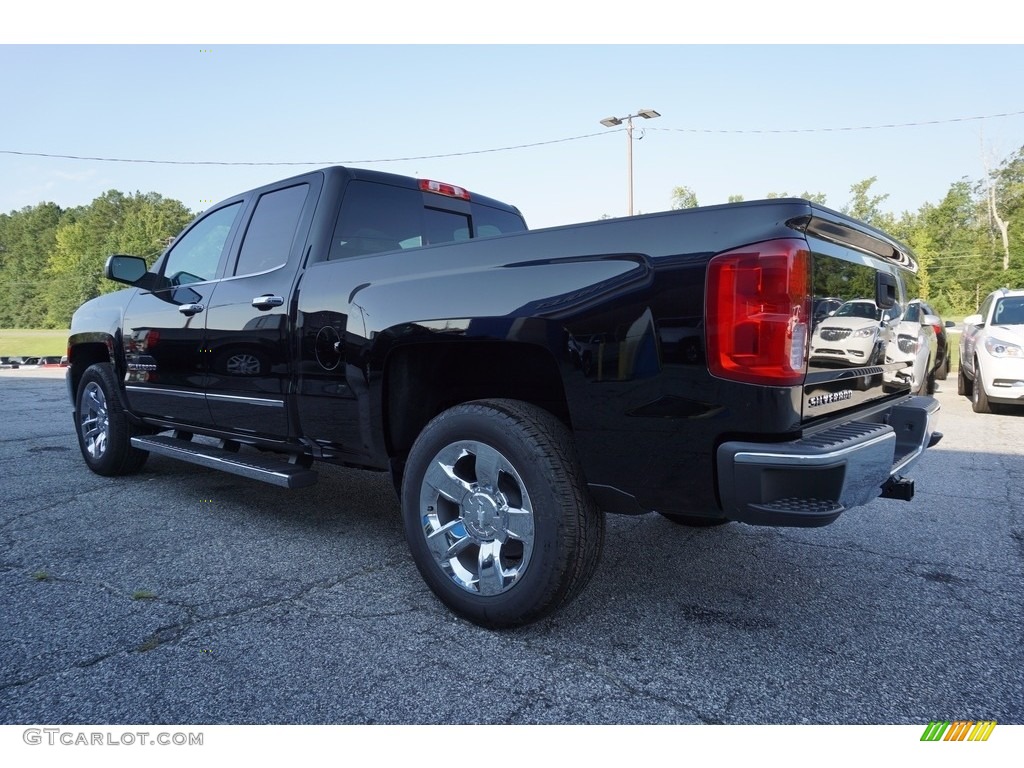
x: 611, y: 122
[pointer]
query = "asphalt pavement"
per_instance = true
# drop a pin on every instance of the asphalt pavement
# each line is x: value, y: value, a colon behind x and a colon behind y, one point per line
x: 182, y: 595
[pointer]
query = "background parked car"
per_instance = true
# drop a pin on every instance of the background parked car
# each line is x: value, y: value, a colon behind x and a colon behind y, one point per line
x: 992, y: 352
x: 825, y: 306
x: 854, y: 335
x: 916, y: 342
x: 943, y: 355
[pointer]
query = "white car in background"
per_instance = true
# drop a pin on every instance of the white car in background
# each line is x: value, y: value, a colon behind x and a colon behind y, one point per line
x: 992, y: 352
x: 854, y: 335
x: 915, y: 344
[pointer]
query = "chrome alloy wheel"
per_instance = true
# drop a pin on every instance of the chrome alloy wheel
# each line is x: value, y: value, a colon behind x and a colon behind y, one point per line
x: 94, y: 422
x: 243, y: 364
x: 477, y: 518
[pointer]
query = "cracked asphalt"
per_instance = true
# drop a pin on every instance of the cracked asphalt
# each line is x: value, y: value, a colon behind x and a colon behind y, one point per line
x: 182, y: 596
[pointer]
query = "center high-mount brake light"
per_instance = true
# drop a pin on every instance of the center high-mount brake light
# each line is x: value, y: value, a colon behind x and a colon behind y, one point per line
x: 439, y: 188
x: 758, y: 301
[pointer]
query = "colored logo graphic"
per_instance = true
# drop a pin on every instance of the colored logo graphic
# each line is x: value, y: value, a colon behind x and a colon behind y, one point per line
x: 958, y: 730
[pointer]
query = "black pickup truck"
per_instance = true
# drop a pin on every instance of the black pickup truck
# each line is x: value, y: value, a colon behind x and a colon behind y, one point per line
x: 516, y: 384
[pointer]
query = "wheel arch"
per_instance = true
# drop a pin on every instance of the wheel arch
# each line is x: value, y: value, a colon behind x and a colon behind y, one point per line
x: 85, y: 350
x: 422, y: 380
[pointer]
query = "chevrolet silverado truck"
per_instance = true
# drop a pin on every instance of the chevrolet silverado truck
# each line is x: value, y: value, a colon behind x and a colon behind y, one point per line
x: 516, y: 384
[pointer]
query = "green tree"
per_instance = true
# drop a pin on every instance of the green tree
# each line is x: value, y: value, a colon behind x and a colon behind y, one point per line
x: 951, y: 235
x: 866, y: 207
x: 138, y: 224
x: 683, y: 197
x: 814, y: 197
x: 27, y: 240
x: 1005, y: 217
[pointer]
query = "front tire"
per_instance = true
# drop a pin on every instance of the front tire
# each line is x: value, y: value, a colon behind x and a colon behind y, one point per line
x: 963, y: 384
x: 979, y: 400
x: 497, y: 515
x: 104, y: 431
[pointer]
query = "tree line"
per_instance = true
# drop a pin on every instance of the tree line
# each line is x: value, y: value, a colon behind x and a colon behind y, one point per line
x: 51, y: 259
x: 967, y: 244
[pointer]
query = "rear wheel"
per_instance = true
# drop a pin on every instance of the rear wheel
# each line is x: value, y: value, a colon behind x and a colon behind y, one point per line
x: 104, y: 431
x: 496, y: 513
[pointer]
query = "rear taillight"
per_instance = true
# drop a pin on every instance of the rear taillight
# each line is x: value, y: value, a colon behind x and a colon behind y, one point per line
x: 758, y: 299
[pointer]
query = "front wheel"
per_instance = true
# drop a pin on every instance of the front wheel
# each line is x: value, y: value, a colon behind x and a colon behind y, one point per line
x: 963, y: 384
x: 104, y: 431
x: 497, y: 516
x: 979, y: 400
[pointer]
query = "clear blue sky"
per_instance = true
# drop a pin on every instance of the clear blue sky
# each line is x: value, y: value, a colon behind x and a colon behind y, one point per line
x: 364, y: 104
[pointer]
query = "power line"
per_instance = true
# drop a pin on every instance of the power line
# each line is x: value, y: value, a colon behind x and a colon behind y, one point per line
x: 307, y: 162
x: 837, y: 130
x: 512, y: 147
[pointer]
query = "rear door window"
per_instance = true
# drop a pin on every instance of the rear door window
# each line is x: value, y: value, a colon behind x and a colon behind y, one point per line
x: 268, y: 238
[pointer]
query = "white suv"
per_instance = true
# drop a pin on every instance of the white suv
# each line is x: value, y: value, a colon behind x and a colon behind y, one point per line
x: 853, y: 335
x: 992, y: 352
x: 916, y: 346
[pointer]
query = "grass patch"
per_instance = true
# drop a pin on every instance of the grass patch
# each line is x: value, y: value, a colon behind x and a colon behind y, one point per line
x: 27, y: 342
x: 143, y: 594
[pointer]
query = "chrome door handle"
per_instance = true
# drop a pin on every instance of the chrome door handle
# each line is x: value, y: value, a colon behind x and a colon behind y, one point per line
x: 191, y: 309
x: 267, y: 301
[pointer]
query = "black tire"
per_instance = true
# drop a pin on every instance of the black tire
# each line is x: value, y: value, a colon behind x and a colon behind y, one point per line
x: 510, y: 541
x: 694, y: 521
x: 942, y: 372
x: 104, y: 431
x: 964, y: 386
x: 979, y: 400
x: 928, y: 385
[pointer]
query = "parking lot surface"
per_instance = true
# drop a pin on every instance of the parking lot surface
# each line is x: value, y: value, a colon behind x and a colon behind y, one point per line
x: 183, y: 595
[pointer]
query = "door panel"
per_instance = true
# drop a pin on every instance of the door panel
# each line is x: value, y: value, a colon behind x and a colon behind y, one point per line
x: 165, y: 328
x: 248, y: 332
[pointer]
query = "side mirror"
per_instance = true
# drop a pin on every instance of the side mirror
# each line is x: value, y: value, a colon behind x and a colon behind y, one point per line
x: 950, y: 324
x: 125, y: 269
x: 973, y: 320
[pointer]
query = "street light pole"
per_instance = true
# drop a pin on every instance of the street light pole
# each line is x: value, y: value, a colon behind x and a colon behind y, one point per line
x: 610, y: 122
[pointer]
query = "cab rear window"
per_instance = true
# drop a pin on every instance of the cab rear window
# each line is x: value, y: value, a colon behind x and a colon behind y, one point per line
x: 378, y: 217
